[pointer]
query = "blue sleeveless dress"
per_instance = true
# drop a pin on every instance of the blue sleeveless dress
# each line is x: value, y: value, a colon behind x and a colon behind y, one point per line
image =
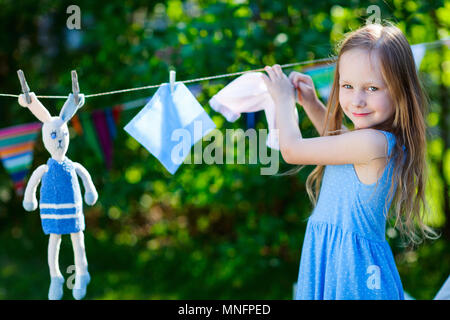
x: 60, y: 199
x: 345, y: 255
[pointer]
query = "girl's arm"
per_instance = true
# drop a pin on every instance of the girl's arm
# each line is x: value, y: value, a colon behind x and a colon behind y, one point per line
x: 91, y: 194
x: 316, y: 112
x: 307, y: 98
x: 355, y: 147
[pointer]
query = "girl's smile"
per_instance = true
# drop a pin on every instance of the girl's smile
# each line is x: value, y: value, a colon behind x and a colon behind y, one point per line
x: 361, y: 114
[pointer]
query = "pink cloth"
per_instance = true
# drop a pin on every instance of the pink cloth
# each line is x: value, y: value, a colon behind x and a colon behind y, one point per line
x: 248, y: 93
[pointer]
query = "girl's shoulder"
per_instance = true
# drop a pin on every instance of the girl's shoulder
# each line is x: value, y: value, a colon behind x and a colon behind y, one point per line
x: 371, y: 172
x: 389, y: 140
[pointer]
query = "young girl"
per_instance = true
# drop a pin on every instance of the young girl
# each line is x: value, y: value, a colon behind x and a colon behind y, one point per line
x: 345, y: 254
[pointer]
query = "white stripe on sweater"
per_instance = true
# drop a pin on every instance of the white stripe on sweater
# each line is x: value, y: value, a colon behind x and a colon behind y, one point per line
x: 58, y: 206
x: 60, y: 216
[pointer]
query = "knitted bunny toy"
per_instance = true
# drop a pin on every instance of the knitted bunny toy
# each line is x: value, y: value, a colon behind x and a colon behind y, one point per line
x: 60, y: 202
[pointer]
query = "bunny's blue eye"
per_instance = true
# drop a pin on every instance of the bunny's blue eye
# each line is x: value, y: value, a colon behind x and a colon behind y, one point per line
x: 53, y: 135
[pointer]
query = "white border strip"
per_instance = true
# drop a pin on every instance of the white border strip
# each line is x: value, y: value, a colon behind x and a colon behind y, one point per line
x: 60, y: 216
x: 58, y: 206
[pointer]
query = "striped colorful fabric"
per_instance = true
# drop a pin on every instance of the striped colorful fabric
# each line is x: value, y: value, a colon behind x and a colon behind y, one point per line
x: 16, y: 151
x: 322, y: 77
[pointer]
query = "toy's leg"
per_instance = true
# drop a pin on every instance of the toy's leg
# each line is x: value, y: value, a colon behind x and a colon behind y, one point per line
x: 55, y: 291
x: 82, y: 277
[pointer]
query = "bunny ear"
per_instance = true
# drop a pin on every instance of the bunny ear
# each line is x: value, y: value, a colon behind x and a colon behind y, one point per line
x: 36, y: 107
x: 70, y: 108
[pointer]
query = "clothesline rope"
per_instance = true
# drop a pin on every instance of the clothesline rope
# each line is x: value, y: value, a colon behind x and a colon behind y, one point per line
x: 185, y: 81
x: 209, y: 78
x: 289, y: 65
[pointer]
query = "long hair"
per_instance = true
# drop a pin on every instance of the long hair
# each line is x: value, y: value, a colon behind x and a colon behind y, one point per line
x: 410, y: 174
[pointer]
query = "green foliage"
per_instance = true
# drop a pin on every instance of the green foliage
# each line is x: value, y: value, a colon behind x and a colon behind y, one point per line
x: 209, y: 231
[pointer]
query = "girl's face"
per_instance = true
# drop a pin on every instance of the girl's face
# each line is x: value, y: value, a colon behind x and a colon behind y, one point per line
x: 363, y: 95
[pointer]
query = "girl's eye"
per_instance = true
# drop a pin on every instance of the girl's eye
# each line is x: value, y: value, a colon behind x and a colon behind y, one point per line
x: 53, y: 135
x: 347, y: 86
x: 373, y: 88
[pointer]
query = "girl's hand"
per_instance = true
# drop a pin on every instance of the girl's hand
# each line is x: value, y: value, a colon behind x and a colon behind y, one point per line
x: 306, y: 92
x: 278, y: 85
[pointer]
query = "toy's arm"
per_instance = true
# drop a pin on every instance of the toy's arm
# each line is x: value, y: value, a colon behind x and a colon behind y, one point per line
x: 91, y: 195
x: 29, y: 200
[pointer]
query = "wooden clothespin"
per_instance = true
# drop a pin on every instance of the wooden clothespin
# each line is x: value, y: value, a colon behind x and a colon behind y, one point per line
x: 75, y: 87
x: 172, y: 76
x: 24, y: 85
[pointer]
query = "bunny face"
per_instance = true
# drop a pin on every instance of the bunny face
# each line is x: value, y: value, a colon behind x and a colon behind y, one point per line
x: 55, y: 135
x: 54, y: 131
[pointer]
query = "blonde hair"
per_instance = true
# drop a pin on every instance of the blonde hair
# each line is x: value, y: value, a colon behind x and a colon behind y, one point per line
x: 407, y: 124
